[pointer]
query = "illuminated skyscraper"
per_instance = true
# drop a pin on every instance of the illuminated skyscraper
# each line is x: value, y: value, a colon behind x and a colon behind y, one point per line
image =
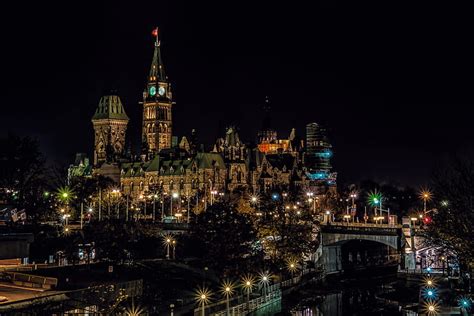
x: 318, y: 152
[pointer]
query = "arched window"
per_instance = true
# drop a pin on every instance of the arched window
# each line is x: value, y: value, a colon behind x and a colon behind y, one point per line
x: 141, y: 185
x: 181, y: 185
x: 171, y: 185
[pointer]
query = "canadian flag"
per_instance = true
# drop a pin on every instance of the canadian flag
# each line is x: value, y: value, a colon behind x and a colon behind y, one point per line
x: 155, y: 32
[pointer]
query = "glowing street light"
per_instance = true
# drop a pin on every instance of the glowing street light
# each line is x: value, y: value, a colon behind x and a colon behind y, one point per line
x: 425, y: 195
x: 375, y: 199
x: 465, y: 302
x: 255, y: 200
x: 247, y: 283
x: 203, y: 297
x: 264, y: 280
x: 431, y: 307
x: 292, y: 266
x: 227, y: 291
x: 167, y: 241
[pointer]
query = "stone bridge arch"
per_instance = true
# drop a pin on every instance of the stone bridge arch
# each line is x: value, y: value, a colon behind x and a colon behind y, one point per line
x: 333, y: 239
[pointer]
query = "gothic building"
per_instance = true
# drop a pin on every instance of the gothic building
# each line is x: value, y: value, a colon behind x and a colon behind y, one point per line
x: 157, y: 107
x: 168, y: 166
x: 110, y: 125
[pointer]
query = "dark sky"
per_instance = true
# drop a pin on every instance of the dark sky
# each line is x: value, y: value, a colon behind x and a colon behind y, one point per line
x: 392, y: 84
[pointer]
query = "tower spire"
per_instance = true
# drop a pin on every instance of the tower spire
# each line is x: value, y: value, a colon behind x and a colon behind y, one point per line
x: 157, y: 70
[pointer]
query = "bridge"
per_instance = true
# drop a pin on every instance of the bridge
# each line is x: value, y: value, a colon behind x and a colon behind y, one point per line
x: 346, y: 244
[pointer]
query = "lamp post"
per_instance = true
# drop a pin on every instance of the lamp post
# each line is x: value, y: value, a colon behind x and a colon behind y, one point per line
x: 213, y: 192
x: 203, y: 297
x: 264, y: 280
x: 311, y: 200
x: 292, y: 266
x: 425, y: 195
x: 173, y: 242
x: 174, y: 195
x: 247, y: 283
x: 255, y: 199
x: 353, y: 196
x: 167, y: 241
x: 155, y: 196
x: 227, y: 291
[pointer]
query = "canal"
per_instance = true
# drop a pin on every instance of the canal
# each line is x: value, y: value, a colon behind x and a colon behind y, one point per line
x: 369, y: 296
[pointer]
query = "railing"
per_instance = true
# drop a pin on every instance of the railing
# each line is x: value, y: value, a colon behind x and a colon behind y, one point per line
x: 252, y: 305
x: 273, y: 294
x: 32, y: 281
x: 349, y: 224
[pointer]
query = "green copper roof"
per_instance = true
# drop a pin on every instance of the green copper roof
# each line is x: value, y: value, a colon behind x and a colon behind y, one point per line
x: 110, y: 107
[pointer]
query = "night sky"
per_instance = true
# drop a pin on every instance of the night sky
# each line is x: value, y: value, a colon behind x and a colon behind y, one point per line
x: 392, y: 84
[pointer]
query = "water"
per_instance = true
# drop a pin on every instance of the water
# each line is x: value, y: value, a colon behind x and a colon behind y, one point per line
x: 350, y: 298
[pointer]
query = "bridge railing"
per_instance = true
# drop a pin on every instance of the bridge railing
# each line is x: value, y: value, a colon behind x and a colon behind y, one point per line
x: 373, y: 225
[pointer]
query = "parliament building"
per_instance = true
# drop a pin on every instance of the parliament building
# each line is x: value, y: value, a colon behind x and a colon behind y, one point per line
x: 169, y: 165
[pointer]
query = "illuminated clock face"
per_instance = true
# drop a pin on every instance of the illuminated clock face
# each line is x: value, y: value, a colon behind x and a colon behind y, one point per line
x: 161, y: 91
x: 152, y: 90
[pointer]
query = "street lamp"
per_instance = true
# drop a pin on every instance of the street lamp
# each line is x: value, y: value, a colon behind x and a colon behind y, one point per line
x: 247, y: 284
x: 154, y: 196
x: 292, y: 266
x: 167, y: 241
x: 264, y: 280
x: 425, y: 195
x: 311, y: 200
x: 255, y: 200
x: 203, y: 296
x: 174, y: 195
x: 213, y: 192
x: 173, y: 243
x: 227, y: 291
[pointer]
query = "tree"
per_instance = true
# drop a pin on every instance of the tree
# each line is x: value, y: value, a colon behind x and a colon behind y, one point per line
x: 22, y: 174
x: 453, y: 221
x: 224, y: 238
x: 287, y: 230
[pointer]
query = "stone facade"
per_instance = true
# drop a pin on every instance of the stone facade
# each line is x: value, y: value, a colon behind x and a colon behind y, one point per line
x: 110, y: 126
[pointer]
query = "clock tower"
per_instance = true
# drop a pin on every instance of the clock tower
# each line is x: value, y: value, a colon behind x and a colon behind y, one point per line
x: 157, y: 104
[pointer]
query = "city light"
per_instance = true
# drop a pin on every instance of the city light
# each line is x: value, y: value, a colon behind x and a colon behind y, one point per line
x: 429, y: 282
x: 134, y: 310
x: 465, y: 302
x: 425, y: 194
x: 254, y: 199
x: 431, y: 307
x: 375, y: 198
x: 227, y: 288
x: 64, y: 194
x: 203, y: 297
x: 175, y: 195
x: 430, y: 293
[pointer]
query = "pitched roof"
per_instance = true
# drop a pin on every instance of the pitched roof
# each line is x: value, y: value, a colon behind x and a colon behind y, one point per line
x: 110, y: 107
x: 209, y: 160
x: 280, y: 161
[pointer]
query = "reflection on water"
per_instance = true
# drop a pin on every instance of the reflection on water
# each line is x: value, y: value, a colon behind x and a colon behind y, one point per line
x: 351, y: 300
